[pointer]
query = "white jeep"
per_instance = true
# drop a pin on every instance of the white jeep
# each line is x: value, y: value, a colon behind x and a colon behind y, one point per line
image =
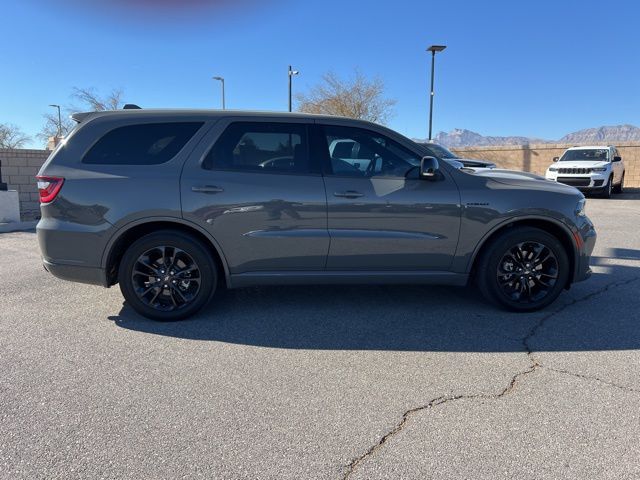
x: 592, y: 169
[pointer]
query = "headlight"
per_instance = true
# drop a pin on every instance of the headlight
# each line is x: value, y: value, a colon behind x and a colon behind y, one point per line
x: 580, y: 208
x: 553, y: 169
x: 599, y: 169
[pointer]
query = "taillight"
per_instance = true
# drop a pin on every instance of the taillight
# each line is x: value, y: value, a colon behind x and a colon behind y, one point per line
x: 48, y: 187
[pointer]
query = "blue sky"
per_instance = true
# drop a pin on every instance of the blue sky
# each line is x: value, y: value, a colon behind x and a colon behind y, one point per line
x: 539, y: 69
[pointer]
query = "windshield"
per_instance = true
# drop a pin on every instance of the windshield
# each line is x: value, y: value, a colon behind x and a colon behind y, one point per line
x: 439, y: 151
x: 590, y: 155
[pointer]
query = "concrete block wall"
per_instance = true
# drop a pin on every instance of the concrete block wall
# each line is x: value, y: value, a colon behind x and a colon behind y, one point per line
x: 19, y: 168
x: 536, y: 158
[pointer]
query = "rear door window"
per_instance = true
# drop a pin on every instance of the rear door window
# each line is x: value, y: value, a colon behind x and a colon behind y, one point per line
x: 143, y: 144
x: 261, y: 147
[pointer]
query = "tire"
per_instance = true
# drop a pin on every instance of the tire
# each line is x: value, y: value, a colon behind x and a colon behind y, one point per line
x: 620, y: 187
x: 608, y: 188
x: 500, y: 281
x: 167, y: 275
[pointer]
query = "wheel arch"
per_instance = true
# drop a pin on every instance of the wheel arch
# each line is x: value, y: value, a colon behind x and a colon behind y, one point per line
x: 549, y: 225
x: 128, y: 233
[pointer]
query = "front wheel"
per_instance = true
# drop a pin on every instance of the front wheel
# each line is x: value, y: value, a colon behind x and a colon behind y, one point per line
x: 167, y: 275
x: 523, y: 270
x: 608, y: 188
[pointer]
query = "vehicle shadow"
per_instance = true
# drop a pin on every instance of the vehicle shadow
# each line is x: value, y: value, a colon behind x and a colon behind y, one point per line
x: 410, y: 318
x: 629, y: 194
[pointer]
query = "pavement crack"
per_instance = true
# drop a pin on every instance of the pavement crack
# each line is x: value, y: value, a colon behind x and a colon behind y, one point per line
x: 351, y: 468
x: 534, y: 330
x: 356, y: 462
x: 591, y: 378
x: 405, y: 417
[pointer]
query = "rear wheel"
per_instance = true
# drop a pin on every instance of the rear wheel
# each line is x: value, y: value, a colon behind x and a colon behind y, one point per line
x: 524, y: 269
x: 167, y: 275
x: 620, y: 187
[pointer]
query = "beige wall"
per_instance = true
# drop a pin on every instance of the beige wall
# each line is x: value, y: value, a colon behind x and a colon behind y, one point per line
x: 536, y: 158
x: 19, y: 168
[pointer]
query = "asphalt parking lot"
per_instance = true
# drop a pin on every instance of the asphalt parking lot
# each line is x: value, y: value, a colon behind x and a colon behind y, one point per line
x: 325, y: 382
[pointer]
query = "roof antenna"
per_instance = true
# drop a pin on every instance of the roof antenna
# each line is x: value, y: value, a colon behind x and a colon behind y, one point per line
x: 131, y: 106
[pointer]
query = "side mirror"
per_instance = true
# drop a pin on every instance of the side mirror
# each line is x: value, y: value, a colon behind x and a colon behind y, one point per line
x: 555, y: 159
x: 617, y: 159
x: 428, y: 167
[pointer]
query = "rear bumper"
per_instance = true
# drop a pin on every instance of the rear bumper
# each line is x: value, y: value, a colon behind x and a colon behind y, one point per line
x: 72, y: 251
x: 76, y: 273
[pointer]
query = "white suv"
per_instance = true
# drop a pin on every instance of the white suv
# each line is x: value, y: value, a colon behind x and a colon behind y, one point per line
x: 592, y: 169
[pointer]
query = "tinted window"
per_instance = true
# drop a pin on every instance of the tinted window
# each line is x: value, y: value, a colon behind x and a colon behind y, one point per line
x: 261, y: 147
x: 439, y: 151
x: 144, y: 144
x: 589, y: 155
x: 363, y: 153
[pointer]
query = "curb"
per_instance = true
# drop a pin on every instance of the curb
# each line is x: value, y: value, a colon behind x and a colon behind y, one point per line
x: 17, y: 226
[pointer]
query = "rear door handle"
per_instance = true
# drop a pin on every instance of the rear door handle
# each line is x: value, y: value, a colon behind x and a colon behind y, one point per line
x: 348, y: 194
x: 207, y: 189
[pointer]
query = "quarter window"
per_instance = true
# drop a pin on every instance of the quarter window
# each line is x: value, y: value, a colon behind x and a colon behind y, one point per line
x: 362, y: 153
x: 260, y: 147
x: 143, y: 144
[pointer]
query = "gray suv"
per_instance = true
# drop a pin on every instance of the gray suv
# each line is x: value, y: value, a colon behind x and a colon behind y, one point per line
x: 173, y: 205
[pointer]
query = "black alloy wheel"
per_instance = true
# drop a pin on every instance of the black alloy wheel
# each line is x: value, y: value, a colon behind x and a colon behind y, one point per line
x: 523, y: 269
x: 527, y: 272
x: 167, y: 275
x: 166, y: 278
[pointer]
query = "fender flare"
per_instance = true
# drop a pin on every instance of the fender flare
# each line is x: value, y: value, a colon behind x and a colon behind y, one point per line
x: 177, y: 220
x: 563, y: 226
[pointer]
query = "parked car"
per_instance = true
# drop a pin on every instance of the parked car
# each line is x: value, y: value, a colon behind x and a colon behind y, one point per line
x: 438, y: 151
x: 596, y: 169
x: 173, y: 205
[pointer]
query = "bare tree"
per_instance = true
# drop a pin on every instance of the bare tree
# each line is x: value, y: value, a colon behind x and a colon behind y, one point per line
x: 357, y: 97
x: 89, y: 99
x: 50, y: 128
x: 96, y: 102
x: 11, y: 136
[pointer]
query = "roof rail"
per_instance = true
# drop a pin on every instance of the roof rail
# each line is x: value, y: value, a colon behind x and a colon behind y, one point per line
x: 131, y: 106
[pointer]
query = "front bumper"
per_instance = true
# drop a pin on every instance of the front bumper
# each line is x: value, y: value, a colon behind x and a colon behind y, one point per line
x: 585, y: 239
x: 584, y: 182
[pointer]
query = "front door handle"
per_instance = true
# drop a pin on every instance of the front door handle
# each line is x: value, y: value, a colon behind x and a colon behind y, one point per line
x: 207, y: 189
x: 348, y: 194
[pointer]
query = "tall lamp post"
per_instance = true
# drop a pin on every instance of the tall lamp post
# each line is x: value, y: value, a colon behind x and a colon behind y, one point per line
x: 433, y: 49
x: 59, y: 120
x: 221, y: 80
x: 291, y: 74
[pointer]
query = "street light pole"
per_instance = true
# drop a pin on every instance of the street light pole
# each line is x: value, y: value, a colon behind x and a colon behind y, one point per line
x: 221, y: 80
x: 291, y: 74
x: 433, y: 49
x: 59, y: 120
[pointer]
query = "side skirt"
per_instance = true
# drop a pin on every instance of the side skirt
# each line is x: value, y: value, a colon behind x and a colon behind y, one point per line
x: 250, y: 279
